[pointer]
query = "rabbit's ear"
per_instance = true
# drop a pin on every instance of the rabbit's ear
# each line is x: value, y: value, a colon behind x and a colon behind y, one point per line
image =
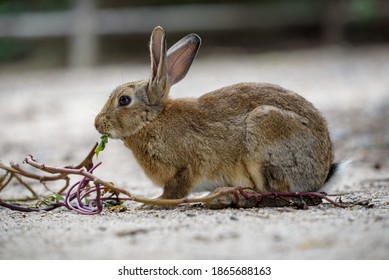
x: 158, y: 84
x: 180, y: 57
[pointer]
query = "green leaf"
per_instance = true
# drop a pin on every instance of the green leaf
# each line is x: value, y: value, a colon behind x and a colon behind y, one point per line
x: 57, y: 196
x: 101, y: 146
x: 113, y: 202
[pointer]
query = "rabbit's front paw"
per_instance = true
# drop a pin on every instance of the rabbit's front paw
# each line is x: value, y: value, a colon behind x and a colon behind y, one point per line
x: 231, y: 199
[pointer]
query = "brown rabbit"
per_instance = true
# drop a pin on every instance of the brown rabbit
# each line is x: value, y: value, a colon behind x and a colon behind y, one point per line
x: 255, y: 135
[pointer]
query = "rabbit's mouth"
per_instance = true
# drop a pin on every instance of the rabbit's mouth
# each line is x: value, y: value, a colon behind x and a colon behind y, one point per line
x: 113, y: 135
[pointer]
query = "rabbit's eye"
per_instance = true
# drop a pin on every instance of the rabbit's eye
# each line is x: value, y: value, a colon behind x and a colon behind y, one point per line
x: 124, y: 100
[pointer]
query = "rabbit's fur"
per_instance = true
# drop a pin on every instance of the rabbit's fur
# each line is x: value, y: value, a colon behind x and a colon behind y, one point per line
x: 254, y: 135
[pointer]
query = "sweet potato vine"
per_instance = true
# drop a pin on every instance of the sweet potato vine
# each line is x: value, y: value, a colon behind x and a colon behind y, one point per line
x: 90, y: 194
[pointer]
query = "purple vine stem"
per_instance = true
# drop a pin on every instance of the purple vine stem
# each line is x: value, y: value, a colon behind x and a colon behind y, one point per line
x: 82, y: 190
x: 87, y: 196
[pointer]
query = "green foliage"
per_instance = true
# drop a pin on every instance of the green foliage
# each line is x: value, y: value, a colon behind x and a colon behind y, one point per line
x: 11, y: 49
x: 101, y: 146
x: 50, y: 200
x: 363, y: 10
x: 16, y: 6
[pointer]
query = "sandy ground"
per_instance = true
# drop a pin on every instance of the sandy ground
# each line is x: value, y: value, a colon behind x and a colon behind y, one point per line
x: 50, y: 114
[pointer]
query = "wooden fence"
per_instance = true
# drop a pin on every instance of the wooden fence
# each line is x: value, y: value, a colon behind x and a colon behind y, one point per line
x: 85, y: 22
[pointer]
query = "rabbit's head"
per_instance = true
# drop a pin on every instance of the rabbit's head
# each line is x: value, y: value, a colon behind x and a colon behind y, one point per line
x: 133, y: 105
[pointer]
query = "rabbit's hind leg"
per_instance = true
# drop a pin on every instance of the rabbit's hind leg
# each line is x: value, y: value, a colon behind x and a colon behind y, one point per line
x: 283, y: 145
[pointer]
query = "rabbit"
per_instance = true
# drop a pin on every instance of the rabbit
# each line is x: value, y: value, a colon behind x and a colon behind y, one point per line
x: 256, y: 135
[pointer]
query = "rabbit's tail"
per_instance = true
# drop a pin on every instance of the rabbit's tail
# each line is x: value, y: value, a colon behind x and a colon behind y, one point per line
x: 333, y: 169
x: 336, y: 172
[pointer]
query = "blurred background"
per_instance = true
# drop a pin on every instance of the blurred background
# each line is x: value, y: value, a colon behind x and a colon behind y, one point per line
x: 74, y: 33
x: 60, y: 60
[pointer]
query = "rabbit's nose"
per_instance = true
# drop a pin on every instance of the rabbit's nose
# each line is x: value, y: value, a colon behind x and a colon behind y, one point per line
x: 99, y: 123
